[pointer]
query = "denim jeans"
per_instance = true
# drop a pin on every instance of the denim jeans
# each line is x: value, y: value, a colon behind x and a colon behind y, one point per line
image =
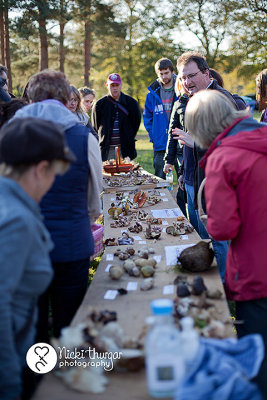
x: 158, y: 163
x: 220, y: 249
x: 193, y: 214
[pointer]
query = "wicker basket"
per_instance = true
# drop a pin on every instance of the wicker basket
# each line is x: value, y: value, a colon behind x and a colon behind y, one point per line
x: 97, y: 231
x: 118, y: 167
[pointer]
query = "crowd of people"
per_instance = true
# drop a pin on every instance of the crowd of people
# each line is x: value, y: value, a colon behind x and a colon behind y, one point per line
x: 51, y: 182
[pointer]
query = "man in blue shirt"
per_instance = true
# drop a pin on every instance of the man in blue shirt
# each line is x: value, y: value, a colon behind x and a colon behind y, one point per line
x: 158, y: 106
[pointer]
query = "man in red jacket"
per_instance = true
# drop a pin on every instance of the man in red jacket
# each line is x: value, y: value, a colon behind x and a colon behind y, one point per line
x: 235, y: 190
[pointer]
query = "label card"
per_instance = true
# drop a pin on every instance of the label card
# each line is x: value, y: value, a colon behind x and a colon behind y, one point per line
x: 110, y: 294
x: 137, y: 237
x: 184, y: 237
x: 168, y: 289
x: 157, y: 258
x: 110, y: 257
x: 132, y: 286
x: 108, y: 267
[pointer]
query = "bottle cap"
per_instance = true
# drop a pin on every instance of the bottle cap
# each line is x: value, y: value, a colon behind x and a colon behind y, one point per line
x: 170, y: 170
x: 162, y: 306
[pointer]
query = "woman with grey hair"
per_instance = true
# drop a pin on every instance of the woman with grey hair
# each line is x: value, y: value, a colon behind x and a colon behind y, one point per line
x: 235, y: 191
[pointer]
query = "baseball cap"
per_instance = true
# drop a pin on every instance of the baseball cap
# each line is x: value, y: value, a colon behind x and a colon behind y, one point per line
x: 27, y: 141
x: 114, y: 78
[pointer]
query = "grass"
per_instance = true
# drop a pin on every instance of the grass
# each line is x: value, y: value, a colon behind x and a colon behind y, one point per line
x: 144, y: 150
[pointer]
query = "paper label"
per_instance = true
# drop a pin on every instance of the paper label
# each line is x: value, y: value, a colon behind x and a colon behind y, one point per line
x: 168, y: 289
x: 110, y: 257
x: 184, y: 237
x: 157, y: 258
x: 132, y: 286
x: 137, y: 237
x: 108, y: 267
x: 110, y: 294
x: 167, y: 213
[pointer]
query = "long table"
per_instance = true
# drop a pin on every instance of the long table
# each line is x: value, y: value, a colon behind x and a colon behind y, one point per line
x: 133, y: 308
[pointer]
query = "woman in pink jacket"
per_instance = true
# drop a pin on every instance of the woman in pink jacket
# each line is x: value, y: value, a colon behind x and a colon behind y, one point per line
x: 236, y: 199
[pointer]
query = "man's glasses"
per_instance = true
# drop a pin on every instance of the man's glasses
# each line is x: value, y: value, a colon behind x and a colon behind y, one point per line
x: 190, y: 76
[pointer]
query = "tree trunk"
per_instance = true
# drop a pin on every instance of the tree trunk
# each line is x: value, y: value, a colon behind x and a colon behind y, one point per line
x: 2, y: 33
x: 87, y: 52
x: 61, y: 47
x: 7, y: 49
x: 43, y: 47
x: 61, y: 37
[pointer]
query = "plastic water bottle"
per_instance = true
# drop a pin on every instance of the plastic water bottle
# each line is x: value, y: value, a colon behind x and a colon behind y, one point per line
x: 189, y: 343
x: 169, y: 178
x: 164, y: 361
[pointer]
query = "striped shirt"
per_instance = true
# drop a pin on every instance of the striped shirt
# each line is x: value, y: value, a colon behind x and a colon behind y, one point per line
x: 115, y: 137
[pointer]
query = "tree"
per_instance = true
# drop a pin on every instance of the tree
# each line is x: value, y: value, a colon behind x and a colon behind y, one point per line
x: 98, y: 22
x: 248, y: 46
x: 2, y: 39
x: 40, y: 11
x: 4, y: 33
x: 207, y: 20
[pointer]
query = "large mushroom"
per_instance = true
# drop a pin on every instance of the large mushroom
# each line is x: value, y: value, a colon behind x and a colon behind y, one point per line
x: 140, y: 198
x: 114, y: 212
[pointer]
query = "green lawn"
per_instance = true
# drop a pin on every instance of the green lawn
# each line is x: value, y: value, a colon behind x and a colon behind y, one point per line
x: 144, y: 150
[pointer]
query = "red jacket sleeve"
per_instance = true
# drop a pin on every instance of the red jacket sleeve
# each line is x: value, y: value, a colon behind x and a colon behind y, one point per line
x: 221, y: 199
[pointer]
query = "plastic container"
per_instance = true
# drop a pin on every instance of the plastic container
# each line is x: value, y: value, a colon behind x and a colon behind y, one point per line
x: 189, y: 343
x: 164, y: 362
x: 169, y: 178
x: 97, y: 231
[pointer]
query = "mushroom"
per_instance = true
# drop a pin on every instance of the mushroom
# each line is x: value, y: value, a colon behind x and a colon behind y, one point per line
x: 140, y: 198
x: 114, y: 212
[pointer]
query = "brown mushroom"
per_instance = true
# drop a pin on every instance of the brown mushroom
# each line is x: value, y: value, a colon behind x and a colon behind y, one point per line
x: 140, y: 198
x: 114, y: 212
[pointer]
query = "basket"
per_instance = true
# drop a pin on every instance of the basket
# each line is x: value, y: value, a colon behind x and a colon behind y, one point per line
x: 118, y: 167
x: 97, y: 231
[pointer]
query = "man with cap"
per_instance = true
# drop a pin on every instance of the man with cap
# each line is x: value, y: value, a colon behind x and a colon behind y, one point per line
x: 116, y: 117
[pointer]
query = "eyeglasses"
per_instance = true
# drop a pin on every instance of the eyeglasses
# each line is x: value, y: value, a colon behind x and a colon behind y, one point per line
x: 190, y: 76
x: 73, y: 101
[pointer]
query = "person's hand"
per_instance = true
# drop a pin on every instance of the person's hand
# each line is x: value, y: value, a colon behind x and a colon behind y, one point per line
x: 181, y: 182
x: 183, y: 137
x: 167, y: 167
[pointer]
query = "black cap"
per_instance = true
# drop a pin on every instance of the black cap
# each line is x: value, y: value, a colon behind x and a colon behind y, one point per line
x: 28, y: 141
